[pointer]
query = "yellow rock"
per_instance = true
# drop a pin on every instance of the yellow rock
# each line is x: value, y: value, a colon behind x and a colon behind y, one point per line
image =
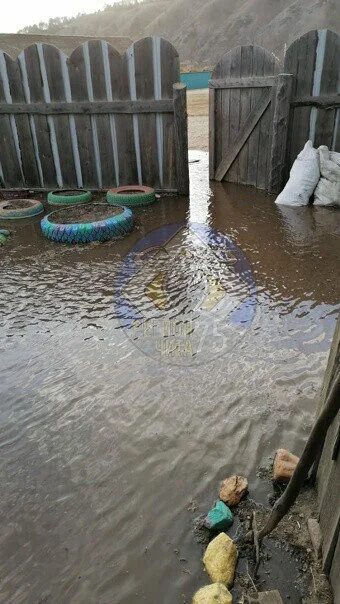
x: 216, y: 593
x: 220, y: 559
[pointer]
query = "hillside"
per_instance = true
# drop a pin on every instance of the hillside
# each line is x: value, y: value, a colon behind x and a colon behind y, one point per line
x: 202, y: 30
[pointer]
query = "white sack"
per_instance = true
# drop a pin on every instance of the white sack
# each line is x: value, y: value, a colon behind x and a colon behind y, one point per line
x: 303, y: 178
x: 327, y: 193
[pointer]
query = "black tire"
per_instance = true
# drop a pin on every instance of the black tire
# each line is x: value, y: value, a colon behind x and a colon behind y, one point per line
x: 68, y: 197
x: 30, y: 208
x: 85, y: 232
x: 131, y: 196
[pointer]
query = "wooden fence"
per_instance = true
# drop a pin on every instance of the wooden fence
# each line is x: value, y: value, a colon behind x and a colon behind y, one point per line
x: 314, y: 59
x: 259, y: 118
x: 95, y: 120
x: 329, y: 479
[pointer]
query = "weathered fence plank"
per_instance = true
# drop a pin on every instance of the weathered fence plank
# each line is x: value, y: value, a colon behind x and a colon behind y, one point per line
x: 10, y: 167
x: 283, y: 92
x: 145, y: 89
x: 87, y: 107
x: 84, y: 134
x: 107, y: 143
x: 246, y: 82
x: 11, y: 72
x: 169, y: 73
x: 181, y: 138
x: 314, y: 60
x: 34, y: 92
x: 54, y: 90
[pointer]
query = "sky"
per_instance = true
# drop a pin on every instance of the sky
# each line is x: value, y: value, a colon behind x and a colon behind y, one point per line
x: 19, y: 13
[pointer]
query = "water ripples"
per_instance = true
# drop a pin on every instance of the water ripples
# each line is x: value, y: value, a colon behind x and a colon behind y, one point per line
x: 103, y: 445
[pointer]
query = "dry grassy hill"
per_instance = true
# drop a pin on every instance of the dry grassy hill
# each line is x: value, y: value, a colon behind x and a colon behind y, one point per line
x: 202, y: 30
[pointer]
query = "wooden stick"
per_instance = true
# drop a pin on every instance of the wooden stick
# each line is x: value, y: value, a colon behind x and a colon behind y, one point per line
x: 310, y: 453
x: 257, y: 545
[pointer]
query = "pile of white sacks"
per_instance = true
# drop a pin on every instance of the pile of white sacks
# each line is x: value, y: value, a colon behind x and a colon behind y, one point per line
x: 314, y: 171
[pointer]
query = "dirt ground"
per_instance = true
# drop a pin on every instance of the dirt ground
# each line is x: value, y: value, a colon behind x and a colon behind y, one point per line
x: 287, y: 552
x: 198, y: 123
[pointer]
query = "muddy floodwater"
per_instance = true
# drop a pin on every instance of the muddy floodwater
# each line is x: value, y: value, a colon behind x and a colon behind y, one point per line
x: 136, y: 374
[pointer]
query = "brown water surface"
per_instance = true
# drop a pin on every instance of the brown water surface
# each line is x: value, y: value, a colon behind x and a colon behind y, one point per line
x: 107, y: 433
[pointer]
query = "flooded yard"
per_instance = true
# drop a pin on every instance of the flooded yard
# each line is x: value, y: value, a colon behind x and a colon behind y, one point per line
x: 138, y: 373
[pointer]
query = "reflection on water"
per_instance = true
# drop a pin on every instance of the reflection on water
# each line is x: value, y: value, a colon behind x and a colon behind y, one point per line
x: 103, y: 445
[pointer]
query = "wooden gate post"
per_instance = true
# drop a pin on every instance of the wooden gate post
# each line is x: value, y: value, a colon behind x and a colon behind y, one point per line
x: 181, y: 138
x: 282, y: 93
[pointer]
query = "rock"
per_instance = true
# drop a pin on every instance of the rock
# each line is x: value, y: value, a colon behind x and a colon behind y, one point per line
x: 284, y: 465
x: 315, y: 535
x: 233, y: 489
x: 220, y: 559
x: 216, y: 593
x: 219, y: 518
x: 270, y: 597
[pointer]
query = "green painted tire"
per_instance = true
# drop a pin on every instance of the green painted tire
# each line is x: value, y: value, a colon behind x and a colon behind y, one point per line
x: 114, y: 226
x: 131, y: 196
x: 68, y: 197
x: 15, y: 209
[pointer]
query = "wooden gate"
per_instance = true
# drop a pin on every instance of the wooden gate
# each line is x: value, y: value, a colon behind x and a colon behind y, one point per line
x: 243, y: 91
x: 96, y: 119
x: 314, y: 59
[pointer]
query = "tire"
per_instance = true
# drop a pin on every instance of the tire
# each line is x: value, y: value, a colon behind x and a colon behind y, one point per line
x: 68, y: 197
x: 131, y: 196
x: 86, y: 232
x: 8, y: 211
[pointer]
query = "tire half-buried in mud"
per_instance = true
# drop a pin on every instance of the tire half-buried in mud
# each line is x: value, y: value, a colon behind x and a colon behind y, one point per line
x: 68, y: 197
x: 15, y: 209
x: 87, y: 223
x: 133, y: 195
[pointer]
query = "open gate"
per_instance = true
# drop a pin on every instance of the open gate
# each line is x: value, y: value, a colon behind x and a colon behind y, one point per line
x: 242, y: 94
x: 260, y: 119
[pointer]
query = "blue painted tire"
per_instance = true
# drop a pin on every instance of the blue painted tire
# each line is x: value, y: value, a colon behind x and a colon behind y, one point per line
x: 85, y: 232
x: 8, y: 211
x: 68, y: 197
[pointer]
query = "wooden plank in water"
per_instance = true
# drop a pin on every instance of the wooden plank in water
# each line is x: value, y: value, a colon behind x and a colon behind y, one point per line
x: 22, y: 122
